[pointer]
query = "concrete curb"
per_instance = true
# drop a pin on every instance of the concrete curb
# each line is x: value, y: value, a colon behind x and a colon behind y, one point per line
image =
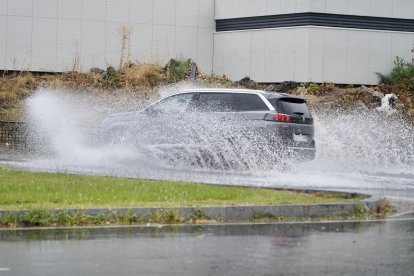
x: 232, y: 213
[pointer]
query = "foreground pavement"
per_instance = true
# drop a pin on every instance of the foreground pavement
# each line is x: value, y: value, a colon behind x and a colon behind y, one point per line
x: 382, y: 247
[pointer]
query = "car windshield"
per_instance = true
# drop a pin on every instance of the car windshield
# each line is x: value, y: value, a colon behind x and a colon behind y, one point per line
x: 173, y: 104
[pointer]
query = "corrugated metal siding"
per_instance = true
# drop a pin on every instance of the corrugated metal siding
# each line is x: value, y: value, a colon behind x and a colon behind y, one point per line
x: 315, y: 19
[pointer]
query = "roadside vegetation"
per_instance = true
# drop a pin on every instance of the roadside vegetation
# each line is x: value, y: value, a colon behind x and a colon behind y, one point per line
x: 29, y: 190
x: 135, y: 80
x: 32, y: 199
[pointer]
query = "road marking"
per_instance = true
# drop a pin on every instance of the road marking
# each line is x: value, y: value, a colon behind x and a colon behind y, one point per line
x: 4, y: 269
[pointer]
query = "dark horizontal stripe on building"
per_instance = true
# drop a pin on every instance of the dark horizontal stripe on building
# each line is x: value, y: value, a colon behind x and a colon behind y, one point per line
x: 315, y: 19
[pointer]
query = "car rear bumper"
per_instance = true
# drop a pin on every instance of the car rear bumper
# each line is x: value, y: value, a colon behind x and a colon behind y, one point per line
x: 301, y: 154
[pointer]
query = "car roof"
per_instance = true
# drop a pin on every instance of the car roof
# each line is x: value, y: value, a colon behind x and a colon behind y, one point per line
x: 266, y: 94
x: 228, y: 90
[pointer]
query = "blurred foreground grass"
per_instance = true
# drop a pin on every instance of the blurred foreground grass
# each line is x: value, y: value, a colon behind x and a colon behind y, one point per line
x: 33, y: 190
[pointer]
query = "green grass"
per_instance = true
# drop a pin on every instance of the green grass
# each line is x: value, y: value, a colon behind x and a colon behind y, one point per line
x: 34, y: 191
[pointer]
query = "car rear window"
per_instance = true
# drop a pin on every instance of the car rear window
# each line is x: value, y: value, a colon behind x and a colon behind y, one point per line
x: 249, y: 102
x: 291, y: 106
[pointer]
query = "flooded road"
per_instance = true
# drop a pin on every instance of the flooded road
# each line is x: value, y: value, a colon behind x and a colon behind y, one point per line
x: 337, y: 248
x: 362, y: 152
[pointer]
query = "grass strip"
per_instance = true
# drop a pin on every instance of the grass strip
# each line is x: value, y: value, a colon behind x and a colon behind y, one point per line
x: 33, y: 190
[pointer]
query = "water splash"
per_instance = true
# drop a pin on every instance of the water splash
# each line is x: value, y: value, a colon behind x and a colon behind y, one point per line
x: 351, y: 147
x: 64, y: 125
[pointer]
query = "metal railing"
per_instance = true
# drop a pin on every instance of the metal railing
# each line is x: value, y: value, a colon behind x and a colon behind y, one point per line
x: 13, y: 133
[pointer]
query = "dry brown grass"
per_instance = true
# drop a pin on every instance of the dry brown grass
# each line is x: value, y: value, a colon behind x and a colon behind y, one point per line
x: 147, y: 75
x: 14, y: 88
x: 142, y: 80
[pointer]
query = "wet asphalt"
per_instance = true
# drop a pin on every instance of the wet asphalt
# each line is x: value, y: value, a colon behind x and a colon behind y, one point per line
x: 326, y: 248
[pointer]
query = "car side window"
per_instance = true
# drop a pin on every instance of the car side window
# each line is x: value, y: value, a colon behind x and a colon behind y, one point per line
x: 173, y: 104
x: 250, y: 102
x: 214, y: 102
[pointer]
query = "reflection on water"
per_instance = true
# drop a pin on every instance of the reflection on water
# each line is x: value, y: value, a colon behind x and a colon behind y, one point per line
x: 354, y: 248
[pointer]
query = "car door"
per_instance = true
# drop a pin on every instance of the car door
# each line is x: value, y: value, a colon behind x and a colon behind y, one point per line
x: 165, y: 120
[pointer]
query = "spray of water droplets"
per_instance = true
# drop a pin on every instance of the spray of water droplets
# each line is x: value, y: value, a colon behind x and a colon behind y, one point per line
x: 66, y: 126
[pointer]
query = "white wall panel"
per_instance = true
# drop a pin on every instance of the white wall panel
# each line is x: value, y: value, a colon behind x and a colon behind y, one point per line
x: 163, y: 43
x: 257, y: 56
x: 301, y: 47
x: 302, y: 5
x: 69, y: 43
x: 382, y: 8
x: 44, y: 44
x: 358, y: 57
x: 381, y: 56
x: 335, y: 57
x: 402, y: 43
x: 273, y: 7
x: 70, y: 9
x: 205, y: 50
x: 186, y: 42
x: 206, y: 14
x: 403, y: 9
x: 318, y: 5
x: 141, y: 43
x: 45, y: 8
x: 337, y: 6
x: 94, y: 10
x: 3, y: 7
x: 3, y: 41
x: 164, y: 12
x: 358, y: 7
x: 287, y: 6
x: 113, y: 42
x: 141, y: 11
x: 226, y: 8
x: 251, y: 8
x: 93, y: 45
x: 20, y: 7
x: 19, y: 43
x: 316, y: 54
x: 273, y: 67
x: 187, y: 12
x: 117, y: 10
x: 287, y: 54
x: 230, y: 48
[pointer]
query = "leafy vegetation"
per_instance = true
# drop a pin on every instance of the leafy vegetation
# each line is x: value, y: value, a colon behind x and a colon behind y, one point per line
x: 402, y: 74
x: 178, y: 70
x: 319, y: 89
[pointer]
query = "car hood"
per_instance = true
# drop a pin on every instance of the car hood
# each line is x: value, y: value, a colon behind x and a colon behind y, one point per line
x: 120, y: 117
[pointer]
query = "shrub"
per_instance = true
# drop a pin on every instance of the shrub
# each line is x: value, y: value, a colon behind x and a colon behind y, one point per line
x: 178, y: 70
x: 318, y: 89
x: 402, y: 74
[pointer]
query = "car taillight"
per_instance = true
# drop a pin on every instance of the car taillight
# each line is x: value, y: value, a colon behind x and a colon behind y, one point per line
x: 278, y: 117
x: 282, y: 117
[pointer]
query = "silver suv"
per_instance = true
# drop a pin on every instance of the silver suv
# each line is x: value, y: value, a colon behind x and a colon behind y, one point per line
x: 224, y: 126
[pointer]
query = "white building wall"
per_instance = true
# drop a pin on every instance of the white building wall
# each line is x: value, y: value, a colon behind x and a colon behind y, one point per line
x: 57, y: 35
x: 311, y: 54
x: 383, y: 8
x: 279, y: 54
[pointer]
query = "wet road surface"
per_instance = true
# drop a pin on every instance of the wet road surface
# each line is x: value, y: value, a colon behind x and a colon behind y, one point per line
x: 337, y: 248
